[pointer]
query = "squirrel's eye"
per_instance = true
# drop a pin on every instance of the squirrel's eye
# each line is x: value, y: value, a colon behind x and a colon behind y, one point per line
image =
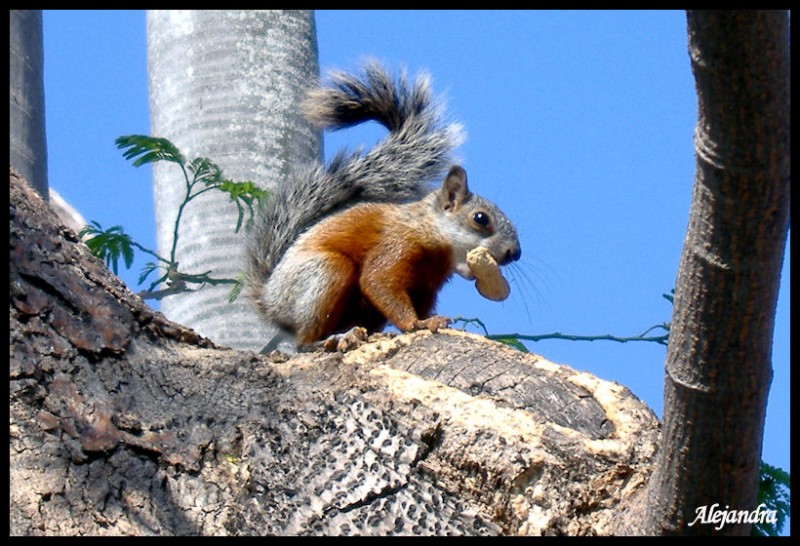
x: 481, y: 218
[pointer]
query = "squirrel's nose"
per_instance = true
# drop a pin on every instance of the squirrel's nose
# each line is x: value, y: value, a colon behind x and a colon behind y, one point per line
x: 512, y: 255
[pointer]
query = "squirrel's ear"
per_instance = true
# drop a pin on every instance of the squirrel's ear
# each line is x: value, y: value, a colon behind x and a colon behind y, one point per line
x: 454, y: 189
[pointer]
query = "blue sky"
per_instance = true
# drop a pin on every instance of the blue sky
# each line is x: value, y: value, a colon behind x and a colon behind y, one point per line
x: 579, y: 126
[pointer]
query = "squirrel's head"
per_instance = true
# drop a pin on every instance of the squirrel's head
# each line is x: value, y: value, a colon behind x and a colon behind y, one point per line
x: 471, y: 221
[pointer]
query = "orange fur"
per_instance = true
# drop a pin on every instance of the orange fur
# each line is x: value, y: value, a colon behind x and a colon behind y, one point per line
x: 385, y: 265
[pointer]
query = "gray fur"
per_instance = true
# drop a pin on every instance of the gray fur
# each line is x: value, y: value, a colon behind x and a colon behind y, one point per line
x: 401, y: 167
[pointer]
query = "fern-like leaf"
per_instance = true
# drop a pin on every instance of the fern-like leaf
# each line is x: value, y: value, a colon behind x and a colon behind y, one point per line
x: 148, y: 149
x: 774, y: 491
x: 246, y: 193
x: 147, y: 270
x: 109, y: 245
x: 514, y: 343
x: 206, y: 171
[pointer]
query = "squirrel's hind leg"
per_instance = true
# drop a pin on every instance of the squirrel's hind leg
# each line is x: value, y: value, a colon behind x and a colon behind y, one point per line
x: 336, y: 284
x: 307, y: 292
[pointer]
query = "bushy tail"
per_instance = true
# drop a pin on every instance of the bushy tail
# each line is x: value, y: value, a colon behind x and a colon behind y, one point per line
x: 401, y: 167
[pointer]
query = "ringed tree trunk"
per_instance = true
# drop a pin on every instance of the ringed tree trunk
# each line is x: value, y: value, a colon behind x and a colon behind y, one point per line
x: 718, y: 368
x: 225, y: 85
x: 27, y: 142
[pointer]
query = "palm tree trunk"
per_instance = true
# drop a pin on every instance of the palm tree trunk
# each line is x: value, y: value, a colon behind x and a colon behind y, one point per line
x: 225, y: 85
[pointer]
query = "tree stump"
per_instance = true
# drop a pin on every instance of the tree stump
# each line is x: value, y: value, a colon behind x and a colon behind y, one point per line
x: 123, y: 423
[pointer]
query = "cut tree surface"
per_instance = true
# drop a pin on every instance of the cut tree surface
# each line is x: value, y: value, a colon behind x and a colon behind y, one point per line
x: 122, y: 422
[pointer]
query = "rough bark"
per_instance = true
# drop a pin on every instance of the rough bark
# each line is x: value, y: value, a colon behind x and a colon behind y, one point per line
x: 719, y: 360
x: 225, y: 84
x: 125, y: 423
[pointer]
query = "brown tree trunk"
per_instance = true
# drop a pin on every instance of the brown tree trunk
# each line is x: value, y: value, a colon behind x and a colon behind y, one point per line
x: 718, y: 368
x: 124, y: 423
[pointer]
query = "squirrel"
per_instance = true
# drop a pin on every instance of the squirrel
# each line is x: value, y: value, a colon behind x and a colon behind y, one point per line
x: 338, y: 251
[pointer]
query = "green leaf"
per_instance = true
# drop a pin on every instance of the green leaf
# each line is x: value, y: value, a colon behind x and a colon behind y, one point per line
x: 239, y: 217
x: 148, y: 149
x: 205, y: 171
x: 147, y: 270
x: 236, y: 289
x: 127, y: 253
x: 246, y: 193
x: 774, y: 491
x: 514, y: 343
x: 89, y: 230
x: 109, y: 245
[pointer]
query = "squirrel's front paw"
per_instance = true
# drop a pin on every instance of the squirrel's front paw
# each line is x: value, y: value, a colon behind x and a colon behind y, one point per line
x: 351, y: 339
x: 432, y: 323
